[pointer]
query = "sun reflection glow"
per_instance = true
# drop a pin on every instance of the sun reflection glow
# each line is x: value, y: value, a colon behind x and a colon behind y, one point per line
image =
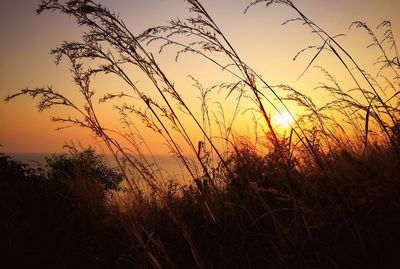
x: 283, y: 119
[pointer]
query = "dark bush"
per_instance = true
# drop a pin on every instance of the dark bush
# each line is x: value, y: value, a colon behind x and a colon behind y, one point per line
x: 44, y: 224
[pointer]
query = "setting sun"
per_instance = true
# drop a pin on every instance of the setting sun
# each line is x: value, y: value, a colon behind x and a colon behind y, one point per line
x: 200, y: 133
x: 283, y: 119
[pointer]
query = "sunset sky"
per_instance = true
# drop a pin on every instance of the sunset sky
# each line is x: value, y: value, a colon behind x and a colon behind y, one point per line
x: 26, y: 40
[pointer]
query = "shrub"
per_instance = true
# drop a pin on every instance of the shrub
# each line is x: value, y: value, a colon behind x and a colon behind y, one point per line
x: 46, y: 225
x: 85, y: 165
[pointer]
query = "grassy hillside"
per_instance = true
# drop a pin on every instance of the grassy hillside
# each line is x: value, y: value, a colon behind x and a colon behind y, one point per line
x: 322, y: 194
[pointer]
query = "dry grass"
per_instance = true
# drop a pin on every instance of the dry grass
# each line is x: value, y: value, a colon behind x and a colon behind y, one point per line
x: 323, y: 195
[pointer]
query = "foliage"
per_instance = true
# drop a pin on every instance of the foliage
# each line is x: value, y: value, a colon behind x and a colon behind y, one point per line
x: 46, y: 225
x: 86, y: 164
x: 324, y: 196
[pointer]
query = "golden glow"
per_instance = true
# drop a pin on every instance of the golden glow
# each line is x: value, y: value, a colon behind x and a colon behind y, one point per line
x: 283, y: 120
x: 26, y: 62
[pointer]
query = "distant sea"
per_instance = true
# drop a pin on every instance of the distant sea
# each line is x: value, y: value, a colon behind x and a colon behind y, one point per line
x: 165, y: 162
x: 35, y: 160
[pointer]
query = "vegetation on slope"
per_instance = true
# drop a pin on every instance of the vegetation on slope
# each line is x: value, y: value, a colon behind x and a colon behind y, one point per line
x: 323, y: 195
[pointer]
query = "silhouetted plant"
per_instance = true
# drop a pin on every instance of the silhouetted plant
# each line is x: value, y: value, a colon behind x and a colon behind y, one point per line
x: 45, y: 223
x: 314, y: 197
x: 85, y: 164
x: 380, y: 110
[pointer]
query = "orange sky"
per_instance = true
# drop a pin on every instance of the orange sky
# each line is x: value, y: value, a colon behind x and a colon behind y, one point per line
x: 26, y: 40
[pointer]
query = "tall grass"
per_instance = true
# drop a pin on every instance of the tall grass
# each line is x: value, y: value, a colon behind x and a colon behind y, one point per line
x: 324, y: 194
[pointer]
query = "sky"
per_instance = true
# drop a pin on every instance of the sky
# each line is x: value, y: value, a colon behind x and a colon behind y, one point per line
x: 26, y: 40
